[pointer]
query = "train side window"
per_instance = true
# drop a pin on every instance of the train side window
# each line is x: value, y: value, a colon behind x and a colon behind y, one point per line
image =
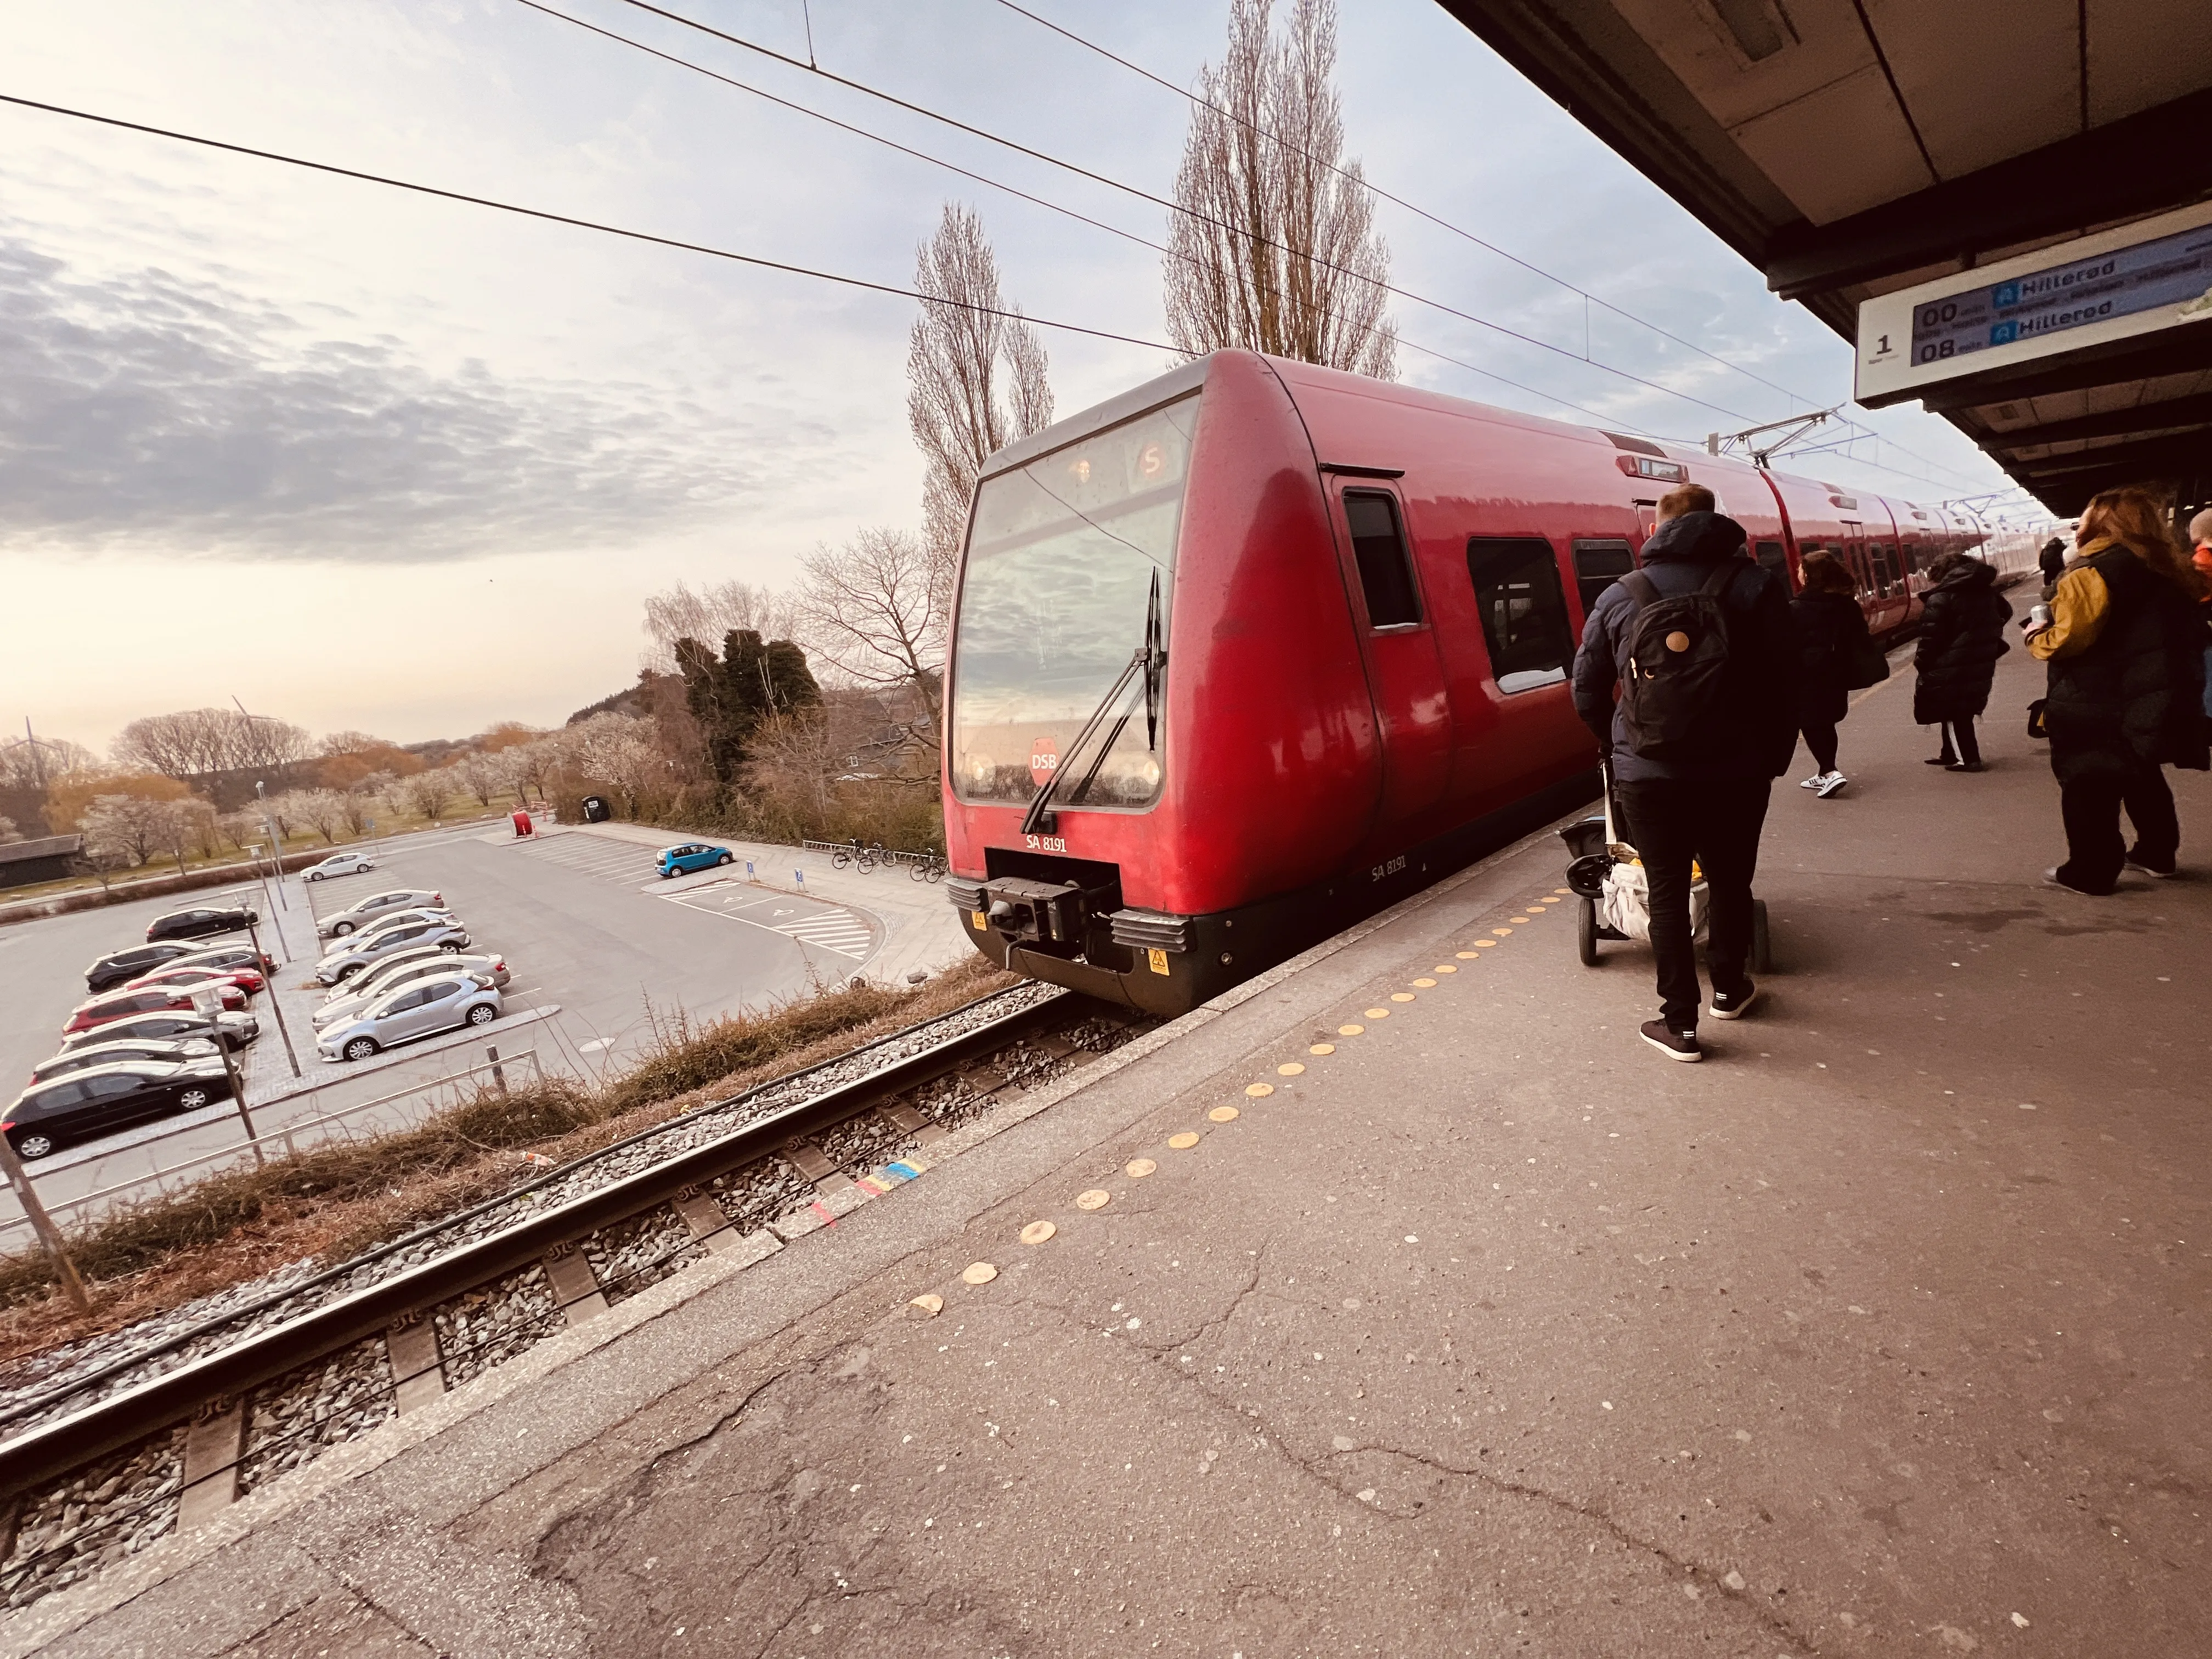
x: 1524, y: 610
x: 1599, y: 563
x: 1386, y: 571
x: 1771, y: 557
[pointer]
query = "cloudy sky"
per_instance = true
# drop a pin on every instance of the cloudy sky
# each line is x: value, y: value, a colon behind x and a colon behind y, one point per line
x: 366, y: 460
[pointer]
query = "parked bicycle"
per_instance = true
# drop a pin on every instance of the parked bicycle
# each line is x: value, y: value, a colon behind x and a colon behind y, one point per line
x: 930, y: 866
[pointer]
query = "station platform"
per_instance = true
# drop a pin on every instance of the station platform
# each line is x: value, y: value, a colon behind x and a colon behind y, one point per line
x: 1490, y: 1330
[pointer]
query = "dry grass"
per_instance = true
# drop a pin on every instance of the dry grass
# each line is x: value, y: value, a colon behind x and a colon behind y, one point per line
x: 336, y: 1201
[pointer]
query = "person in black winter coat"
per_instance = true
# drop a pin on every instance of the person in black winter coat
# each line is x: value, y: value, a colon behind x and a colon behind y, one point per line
x: 1962, y: 634
x: 1709, y: 804
x: 2051, y: 562
x: 1831, y: 639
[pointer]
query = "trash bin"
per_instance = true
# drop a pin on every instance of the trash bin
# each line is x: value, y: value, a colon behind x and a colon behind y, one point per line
x: 596, y: 810
x: 522, y: 824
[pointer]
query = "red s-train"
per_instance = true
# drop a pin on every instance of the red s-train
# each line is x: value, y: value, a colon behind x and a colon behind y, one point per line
x: 1257, y: 648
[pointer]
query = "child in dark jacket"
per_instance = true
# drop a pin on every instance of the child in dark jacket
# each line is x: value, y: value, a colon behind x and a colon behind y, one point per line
x: 1962, y: 634
x: 1831, y: 638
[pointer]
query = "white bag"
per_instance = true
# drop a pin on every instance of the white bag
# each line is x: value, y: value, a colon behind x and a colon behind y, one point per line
x: 1625, y: 905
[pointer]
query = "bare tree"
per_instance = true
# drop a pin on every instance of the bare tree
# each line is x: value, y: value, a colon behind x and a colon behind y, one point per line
x: 198, y: 744
x: 876, y: 612
x: 976, y: 381
x: 132, y: 828
x: 677, y: 613
x: 617, y: 749
x: 533, y: 765
x: 1275, y: 249
x: 483, y: 775
x: 426, y: 792
x: 322, y: 810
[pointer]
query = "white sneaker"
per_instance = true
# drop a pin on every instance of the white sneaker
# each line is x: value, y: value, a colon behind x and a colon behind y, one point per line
x: 1828, y: 784
x: 1813, y: 782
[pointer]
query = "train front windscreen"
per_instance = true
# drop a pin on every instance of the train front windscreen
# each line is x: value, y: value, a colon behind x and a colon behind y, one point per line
x: 1070, y: 564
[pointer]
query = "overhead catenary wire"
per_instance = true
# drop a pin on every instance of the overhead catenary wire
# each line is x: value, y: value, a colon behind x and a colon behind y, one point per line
x: 573, y: 222
x: 1368, y: 184
x: 1142, y: 194
x: 1023, y: 194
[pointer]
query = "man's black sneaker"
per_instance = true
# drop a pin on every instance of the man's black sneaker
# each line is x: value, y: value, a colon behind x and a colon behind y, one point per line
x: 1735, y: 1005
x: 2165, y: 874
x: 1675, y: 1045
x: 1965, y: 766
x: 2052, y: 879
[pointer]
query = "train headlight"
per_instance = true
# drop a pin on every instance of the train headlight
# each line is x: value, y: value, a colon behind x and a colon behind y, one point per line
x: 980, y: 768
x: 1148, y: 772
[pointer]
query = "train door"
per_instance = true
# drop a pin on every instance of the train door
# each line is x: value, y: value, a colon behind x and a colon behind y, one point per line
x: 1599, y: 561
x: 1530, y: 636
x: 1855, y: 555
x: 1404, y: 672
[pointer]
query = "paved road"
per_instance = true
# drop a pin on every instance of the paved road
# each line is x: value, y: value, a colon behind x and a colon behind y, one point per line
x: 1486, y: 1332
x: 584, y: 923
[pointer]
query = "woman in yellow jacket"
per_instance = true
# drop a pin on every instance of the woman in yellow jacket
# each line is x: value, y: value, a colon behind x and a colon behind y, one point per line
x: 2126, y: 646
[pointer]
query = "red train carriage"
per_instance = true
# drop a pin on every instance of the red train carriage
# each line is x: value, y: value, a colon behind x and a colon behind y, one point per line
x: 1256, y: 648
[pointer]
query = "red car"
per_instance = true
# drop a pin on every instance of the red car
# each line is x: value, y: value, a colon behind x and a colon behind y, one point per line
x: 248, y: 979
x: 153, y: 999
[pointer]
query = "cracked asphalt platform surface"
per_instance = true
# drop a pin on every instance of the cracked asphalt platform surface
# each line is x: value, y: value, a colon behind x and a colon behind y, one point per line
x: 1490, y: 1332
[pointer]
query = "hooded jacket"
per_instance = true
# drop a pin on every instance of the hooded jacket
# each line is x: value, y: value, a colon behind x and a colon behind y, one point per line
x: 1752, y: 728
x: 2126, y: 651
x: 1962, y: 634
x: 1831, y: 629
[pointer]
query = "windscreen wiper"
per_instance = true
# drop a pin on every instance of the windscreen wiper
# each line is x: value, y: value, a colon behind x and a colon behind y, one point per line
x: 1147, y: 660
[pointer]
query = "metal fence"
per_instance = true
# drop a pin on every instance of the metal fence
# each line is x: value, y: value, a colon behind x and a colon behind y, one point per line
x: 287, y: 1142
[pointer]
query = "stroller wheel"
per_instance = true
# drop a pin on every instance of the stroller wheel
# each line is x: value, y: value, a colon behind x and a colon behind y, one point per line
x: 1586, y: 933
x: 1762, y: 952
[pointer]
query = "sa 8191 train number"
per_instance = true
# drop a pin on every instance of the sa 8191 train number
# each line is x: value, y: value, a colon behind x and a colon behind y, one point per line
x: 1390, y: 869
x: 1059, y: 844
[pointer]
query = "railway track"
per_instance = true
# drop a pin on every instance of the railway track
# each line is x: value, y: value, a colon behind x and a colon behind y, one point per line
x: 124, y: 1442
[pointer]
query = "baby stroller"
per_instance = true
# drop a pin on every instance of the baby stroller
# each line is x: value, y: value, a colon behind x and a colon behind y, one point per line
x: 1608, y: 878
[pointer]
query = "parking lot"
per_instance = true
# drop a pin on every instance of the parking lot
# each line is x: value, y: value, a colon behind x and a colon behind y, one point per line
x: 589, y: 932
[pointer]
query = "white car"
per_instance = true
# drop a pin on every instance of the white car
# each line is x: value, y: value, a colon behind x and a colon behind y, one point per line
x: 376, y: 904
x: 377, y: 981
x: 344, y: 963
x: 340, y: 864
x: 442, y: 1003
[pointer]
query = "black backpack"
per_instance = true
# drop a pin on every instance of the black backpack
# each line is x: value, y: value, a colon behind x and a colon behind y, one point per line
x: 1677, y: 650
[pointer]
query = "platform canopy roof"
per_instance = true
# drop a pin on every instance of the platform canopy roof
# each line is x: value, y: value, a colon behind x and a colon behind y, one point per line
x: 1851, y: 148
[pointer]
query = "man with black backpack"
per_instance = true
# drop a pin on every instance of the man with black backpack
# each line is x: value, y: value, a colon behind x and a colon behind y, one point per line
x: 1699, y: 648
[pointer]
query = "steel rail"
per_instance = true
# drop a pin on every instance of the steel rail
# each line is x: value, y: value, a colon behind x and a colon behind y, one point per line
x: 134, y: 1413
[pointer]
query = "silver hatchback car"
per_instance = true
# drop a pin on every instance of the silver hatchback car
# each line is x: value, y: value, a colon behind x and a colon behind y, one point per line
x: 346, y: 962
x: 445, y: 1003
x: 380, y: 980
x: 362, y: 911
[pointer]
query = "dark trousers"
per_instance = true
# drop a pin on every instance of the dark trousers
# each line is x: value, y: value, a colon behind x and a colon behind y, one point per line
x: 1820, y: 739
x: 2091, y: 805
x: 1672, y: 820
x: 1959, y: 744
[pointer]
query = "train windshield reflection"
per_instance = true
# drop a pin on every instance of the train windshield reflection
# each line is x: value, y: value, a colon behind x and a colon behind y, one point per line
x: 1059, y: 572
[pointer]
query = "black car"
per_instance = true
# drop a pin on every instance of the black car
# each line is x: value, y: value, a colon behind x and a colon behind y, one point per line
x: 86, y: 1104
x: 170, y: 1024
x: 117, y: 966
x: 204, y: 921
x: 171, y: 1050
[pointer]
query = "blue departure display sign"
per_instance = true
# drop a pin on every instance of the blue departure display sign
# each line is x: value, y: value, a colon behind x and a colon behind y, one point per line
x: 2119, y: 283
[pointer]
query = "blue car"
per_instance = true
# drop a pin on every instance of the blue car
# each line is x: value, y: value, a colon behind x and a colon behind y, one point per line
x: 691, y: 856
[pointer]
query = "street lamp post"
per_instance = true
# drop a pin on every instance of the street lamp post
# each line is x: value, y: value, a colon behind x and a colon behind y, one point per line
x: 276, y: 1002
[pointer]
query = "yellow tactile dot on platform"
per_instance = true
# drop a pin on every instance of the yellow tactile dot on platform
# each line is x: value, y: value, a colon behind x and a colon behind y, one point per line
x: 1468, y: 955
x: 1430, y: 984
x: 1501, y: 931
x: 927, y: 1305
x: 1490, y: 943
x: 1139, y: 1167
x: 1322, y: 1049
x: 1259, y: 1091
x: 978, y: 1272
x: 1378, y: 1013
x: 1097, y: 1199
x: 1290, y: 1068
x: 1038, y: 1231
x: 1516, y: 921
x: 1225, y: 1114
x: 1183, y: 1142
x: 1444, y: 968
x: 1402, y: 996
x: 1350, y: 1031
